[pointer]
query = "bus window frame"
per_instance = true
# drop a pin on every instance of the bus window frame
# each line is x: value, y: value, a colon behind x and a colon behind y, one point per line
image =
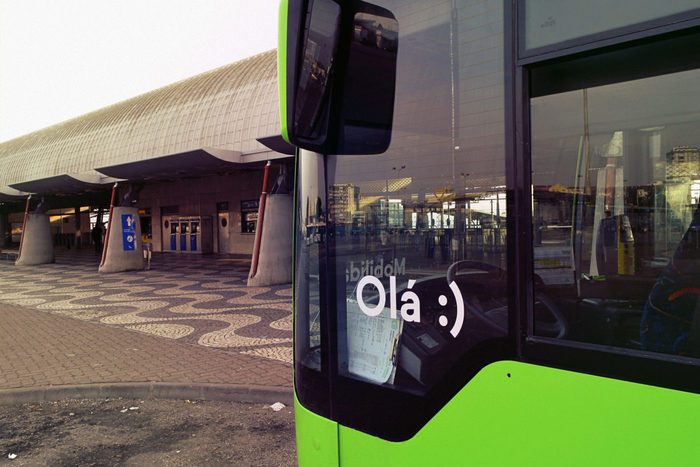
x: 607, y: 58
x: 316, y: 391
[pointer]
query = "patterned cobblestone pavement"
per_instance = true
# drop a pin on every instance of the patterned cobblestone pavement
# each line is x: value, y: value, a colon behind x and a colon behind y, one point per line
x: 48, y: 356
x: 193, y: 299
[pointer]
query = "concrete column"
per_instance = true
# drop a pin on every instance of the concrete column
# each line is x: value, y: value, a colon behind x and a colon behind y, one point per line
x: 123, y: 244
x: 37, y: 244
x: 275, y: 258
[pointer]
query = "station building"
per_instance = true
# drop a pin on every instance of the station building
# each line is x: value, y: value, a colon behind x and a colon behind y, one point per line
x: 189, y: 157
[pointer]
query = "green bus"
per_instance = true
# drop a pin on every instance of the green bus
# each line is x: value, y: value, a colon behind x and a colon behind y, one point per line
x: 497, y: 230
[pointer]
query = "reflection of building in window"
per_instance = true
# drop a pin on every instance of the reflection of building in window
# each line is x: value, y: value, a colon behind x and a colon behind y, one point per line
x: 674, y: 197
x: 490, y: 207
x: 389, y: 213
x: 695, y: 192
x: 395, y: 213
x: 343, y: 201
x: 682, y: 164
x: 376, y: 31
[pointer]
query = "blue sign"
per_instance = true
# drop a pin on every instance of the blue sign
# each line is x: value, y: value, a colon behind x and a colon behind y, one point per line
x: 129, y: 232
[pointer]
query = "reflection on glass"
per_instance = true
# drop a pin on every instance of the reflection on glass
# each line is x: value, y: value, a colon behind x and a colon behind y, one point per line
x: 311, y: 225
x: 400, y: 227
x: 616, y: 173
x: 368, y: 104
x: 320, y: 48
x: 374, y: 31
x: 396, y: 239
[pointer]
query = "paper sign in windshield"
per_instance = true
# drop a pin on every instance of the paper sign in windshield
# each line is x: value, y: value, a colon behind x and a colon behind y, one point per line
x: 372, y: 344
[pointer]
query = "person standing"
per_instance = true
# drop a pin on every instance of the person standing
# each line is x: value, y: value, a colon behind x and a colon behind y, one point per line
x: 97, y: 237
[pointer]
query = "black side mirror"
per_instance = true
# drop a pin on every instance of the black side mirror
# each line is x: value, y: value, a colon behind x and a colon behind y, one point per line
x: 337, y: 71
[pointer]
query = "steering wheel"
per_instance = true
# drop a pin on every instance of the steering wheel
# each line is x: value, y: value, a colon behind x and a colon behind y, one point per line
x: 469, y: 264
x: 497, y: 316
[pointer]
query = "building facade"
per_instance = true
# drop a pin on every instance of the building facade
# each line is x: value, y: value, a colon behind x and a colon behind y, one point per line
x: 190, y: 150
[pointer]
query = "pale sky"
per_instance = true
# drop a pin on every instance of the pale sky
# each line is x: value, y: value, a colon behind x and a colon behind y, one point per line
x: 64, y: 58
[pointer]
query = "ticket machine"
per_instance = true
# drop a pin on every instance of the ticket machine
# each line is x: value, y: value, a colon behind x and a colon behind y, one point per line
x: 171, y: 228
x: 191, y: 234
x: 195, y: 235
x: 184, y: 233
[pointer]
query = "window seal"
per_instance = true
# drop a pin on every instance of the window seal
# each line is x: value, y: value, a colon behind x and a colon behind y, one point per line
x: 665, y: 371
x: 666, y: 54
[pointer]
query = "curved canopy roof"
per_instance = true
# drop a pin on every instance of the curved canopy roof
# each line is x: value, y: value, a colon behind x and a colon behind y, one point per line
x: 214, y: 117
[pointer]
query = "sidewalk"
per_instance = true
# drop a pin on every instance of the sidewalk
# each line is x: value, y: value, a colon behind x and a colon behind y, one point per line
x: 46, y: 354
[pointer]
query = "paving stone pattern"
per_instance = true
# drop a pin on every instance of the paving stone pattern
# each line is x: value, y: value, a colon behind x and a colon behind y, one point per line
x: 40, y: 351
x: 192, y: 299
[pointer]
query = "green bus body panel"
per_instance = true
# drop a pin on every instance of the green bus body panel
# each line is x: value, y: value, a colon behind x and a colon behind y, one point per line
x: 282, y: 66
x: 317, y: 437
x: 515, y: 413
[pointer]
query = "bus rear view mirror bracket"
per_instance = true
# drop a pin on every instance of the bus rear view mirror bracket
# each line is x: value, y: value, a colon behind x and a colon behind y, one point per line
x: 340, y: 62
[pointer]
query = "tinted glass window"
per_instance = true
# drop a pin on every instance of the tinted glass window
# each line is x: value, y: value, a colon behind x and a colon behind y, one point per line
x: 616, y: 190
x: 320, y: 45
x: 435, y: 199
x: 550, y: 21
x: 403, y: 256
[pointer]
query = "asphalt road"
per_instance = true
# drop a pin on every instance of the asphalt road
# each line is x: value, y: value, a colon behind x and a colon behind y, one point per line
x: 146, y: 432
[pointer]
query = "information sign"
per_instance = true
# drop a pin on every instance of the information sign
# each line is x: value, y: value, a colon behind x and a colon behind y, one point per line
x: 129, y: 232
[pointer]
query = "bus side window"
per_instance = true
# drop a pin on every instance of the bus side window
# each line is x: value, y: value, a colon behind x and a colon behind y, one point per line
x: 616, y: 189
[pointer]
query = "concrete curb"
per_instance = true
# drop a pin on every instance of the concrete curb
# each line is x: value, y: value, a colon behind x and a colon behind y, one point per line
x: 149, y: 390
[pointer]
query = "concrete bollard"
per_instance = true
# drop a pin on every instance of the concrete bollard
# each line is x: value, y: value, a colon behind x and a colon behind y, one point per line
x: 123, y: 246
x: 37, y: 244
x: 275, y: 258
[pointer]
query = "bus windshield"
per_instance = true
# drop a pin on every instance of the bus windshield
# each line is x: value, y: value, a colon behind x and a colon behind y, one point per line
x: 397, y: 246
